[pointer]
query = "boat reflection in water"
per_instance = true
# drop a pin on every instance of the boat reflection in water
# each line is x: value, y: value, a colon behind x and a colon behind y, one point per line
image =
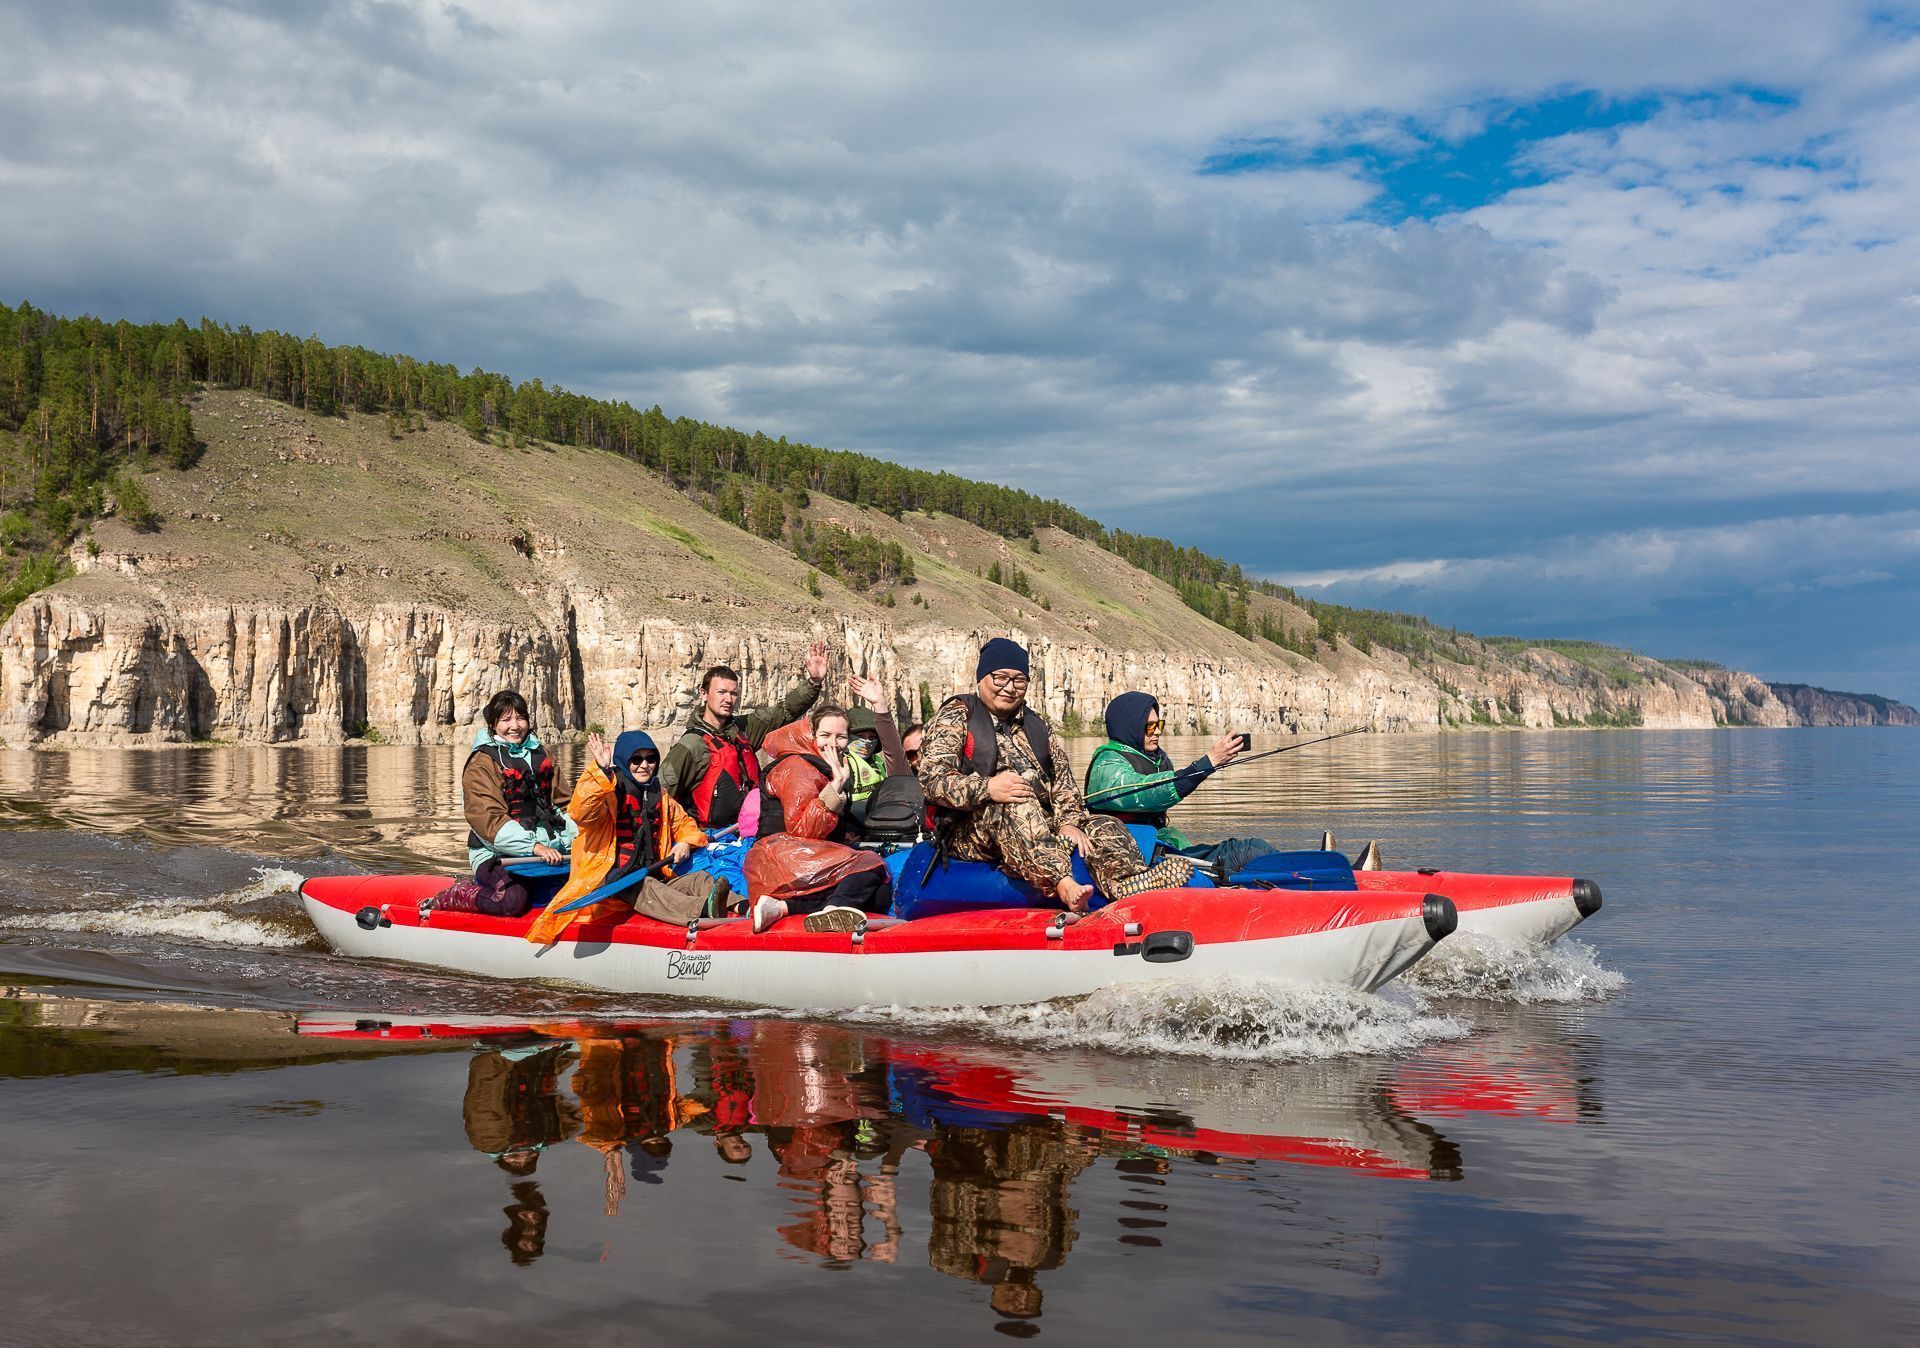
x: 1515, y: 1066
x: 1004, y: 1133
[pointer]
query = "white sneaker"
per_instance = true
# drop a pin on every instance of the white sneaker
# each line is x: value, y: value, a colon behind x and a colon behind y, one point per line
x: 767, y: 911
x: 836, y: 918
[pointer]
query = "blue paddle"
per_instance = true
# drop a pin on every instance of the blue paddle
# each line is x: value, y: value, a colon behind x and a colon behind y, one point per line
x: 614, y: 887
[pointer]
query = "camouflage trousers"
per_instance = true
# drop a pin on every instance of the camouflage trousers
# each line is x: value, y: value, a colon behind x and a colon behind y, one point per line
x: 1023, y: 840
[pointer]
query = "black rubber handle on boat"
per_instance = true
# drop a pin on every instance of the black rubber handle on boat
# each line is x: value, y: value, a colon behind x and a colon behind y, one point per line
x: 1441, y: 917
x: 1166, y: 947
x: 1586, y: 897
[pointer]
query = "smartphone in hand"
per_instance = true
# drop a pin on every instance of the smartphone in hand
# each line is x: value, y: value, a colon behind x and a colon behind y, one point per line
x: 1246, y: 741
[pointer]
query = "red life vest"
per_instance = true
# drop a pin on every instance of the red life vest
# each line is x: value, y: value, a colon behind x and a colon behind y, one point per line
x: 635, y: 842
x: 733, y: 769
x: 981, y: 751
x: 528, y: 794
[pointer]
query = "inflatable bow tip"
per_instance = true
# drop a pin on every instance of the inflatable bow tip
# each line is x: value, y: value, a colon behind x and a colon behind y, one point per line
x: 1586, y: 897
x: 1369, y: 858
x: 1441, y: 917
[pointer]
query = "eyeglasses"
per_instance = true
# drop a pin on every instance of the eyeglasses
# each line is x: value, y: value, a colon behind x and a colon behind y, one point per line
x: 913, y: 755
x: 1005, y: 681
x: 651, y: 760
x: 1153, y: 726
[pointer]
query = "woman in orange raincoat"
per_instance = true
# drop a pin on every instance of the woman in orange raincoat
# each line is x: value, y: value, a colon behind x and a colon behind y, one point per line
x: 626, y: 824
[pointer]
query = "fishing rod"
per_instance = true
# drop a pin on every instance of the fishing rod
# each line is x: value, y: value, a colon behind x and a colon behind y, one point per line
x: 1251, y: 758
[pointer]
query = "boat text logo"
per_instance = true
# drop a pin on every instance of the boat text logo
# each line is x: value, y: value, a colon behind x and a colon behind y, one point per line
x: 681, y: 964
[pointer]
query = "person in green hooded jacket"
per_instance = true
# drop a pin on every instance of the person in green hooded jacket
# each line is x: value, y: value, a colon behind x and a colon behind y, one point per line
x: 1132, y: 757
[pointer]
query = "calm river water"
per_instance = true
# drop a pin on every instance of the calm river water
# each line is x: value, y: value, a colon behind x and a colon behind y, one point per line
x: 1694, y: 1119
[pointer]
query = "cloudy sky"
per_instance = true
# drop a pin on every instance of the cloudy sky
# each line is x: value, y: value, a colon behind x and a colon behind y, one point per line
x: 1582, y: 319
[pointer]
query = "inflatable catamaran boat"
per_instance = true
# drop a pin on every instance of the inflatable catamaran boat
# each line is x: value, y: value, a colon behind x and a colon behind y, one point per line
x: 968, y: 937
x: 991, y: 957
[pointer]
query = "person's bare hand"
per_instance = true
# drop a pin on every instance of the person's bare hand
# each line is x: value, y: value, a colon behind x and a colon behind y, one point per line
x: 1009, y: 788
x: 679, y: 853
x: 1078, y: 838
x: 600, y: 750
x: 870, y: 691
x: 816, y: 665
x: 1225, y: 749
x: 550, y: 855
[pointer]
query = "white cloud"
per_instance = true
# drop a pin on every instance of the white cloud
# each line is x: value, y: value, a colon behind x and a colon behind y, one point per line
x: 1636, y: 571
x: 977, y: 238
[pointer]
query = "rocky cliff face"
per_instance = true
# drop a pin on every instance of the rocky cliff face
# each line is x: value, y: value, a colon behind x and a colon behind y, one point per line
x: 113, y: 664
x: 1819, y: 706
x: 1741, y: 699
x: 321, y: 579
x: 124, y: 669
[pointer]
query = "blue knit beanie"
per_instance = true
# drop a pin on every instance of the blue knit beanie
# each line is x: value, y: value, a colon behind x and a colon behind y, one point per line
x: 1001, y: 653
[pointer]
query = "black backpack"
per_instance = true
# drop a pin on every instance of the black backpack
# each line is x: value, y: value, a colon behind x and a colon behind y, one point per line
x: 895, y: 810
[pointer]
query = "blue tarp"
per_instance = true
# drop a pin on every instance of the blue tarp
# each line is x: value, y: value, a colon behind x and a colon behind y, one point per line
x: 972, y: 886
x: 1300, y: 870
x: 726, y: 859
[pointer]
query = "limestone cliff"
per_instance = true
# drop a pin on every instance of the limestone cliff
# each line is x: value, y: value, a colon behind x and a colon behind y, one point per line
x: 318, y: 579
x: 83, y: 665
x: 1741, y: 699
x: 1821, y: 706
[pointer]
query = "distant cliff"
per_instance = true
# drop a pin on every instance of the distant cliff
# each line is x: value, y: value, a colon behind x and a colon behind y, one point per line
x: 321, y: 578
x: 1820, y: 706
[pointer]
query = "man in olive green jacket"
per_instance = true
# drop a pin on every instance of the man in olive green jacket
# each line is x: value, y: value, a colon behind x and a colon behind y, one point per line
x: 714, y: 764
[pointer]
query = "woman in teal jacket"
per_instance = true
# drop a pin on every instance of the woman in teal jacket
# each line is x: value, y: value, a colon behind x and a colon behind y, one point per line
x: 1132, y: 757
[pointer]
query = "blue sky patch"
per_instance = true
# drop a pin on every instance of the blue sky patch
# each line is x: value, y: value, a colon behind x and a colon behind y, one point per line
x: 1427, y: 167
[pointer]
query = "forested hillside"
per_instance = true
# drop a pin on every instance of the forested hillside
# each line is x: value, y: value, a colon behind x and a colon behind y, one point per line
x: 88, y: 401
x: 89, y: 409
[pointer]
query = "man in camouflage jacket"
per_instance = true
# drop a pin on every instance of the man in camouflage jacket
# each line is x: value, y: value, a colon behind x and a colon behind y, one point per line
x: 1026, y: 815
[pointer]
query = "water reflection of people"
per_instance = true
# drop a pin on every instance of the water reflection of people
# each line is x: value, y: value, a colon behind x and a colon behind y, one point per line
x: 513, y: 1107
x: 1006, y: 1135
x: 630, y: 1104
x: 1000, y: 1206
x: 526, y: 1233
x: 731, y: 1085
x: 513, y: 1111
x: 820, y: 1099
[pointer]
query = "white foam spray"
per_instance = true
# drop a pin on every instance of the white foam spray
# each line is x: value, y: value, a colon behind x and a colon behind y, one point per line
x: 1486, y: 968
x: 154, y: 920
x: 192, y: 918
x: 1226, y: 1017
